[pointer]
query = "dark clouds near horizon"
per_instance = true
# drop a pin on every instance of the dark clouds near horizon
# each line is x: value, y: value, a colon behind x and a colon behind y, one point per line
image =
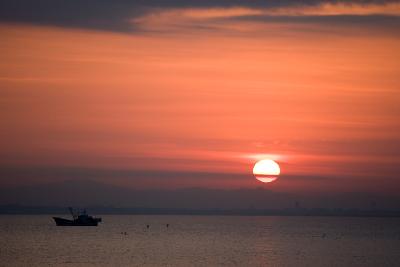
x: 116, y: 15
x: 88, y: 193
x: 13, y: 176
x: 70, y: 173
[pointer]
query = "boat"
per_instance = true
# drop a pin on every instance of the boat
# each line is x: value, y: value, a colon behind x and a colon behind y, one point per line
x: 78, y: 219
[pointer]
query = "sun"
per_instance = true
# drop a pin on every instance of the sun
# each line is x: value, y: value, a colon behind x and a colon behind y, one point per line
x: 266, y: 170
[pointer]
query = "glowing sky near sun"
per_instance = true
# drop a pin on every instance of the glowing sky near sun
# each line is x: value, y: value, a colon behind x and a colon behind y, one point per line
x: 207, y: 90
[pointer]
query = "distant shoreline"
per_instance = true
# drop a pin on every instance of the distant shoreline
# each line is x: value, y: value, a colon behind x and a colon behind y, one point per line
x: 42, y: 210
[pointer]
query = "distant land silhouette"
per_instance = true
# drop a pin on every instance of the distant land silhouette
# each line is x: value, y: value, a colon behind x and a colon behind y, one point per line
x: 18, y: 209
x: 111, y: 199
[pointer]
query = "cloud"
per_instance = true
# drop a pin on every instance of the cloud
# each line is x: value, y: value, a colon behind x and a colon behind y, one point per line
x: 131, y: 177
x: 148, y: 15
x: 337, y: 8
x: 253, y: 19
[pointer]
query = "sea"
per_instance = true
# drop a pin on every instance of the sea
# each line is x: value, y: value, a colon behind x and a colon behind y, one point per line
x: 125, y: 240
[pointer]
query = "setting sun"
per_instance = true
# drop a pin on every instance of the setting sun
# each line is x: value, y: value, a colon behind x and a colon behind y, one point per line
x: 266, y: 170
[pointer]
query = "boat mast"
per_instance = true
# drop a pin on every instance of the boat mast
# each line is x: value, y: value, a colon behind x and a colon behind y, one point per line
x: 72, y: 212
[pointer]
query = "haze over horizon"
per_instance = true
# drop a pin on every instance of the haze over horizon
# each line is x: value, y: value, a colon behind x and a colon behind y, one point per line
x: 106, y: 197
x: 169, y: 95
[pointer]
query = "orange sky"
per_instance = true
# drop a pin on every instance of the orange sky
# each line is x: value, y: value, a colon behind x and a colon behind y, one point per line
x: 322, y: 100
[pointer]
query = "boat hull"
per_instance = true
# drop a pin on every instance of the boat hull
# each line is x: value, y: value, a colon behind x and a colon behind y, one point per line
x: 65, y: 222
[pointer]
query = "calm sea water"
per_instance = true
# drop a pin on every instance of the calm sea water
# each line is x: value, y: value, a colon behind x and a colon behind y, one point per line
x: 201, y: 241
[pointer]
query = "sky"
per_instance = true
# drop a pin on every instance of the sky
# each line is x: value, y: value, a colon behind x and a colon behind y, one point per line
x: 180, y: 94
